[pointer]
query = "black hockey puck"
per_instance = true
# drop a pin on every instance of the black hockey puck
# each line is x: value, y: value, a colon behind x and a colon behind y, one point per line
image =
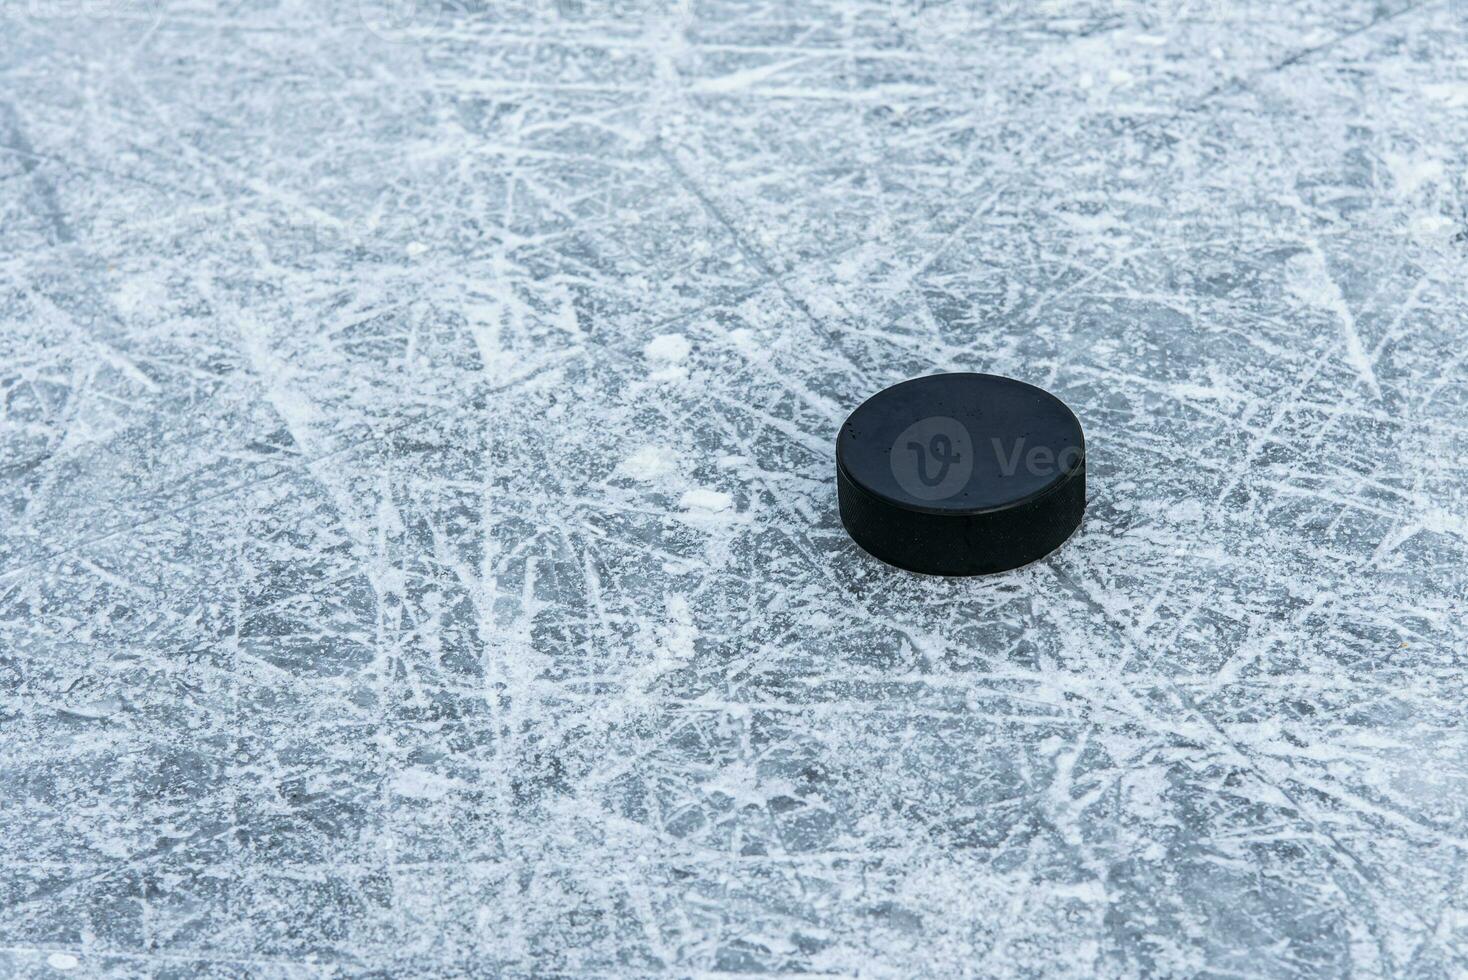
x: 961, y: 474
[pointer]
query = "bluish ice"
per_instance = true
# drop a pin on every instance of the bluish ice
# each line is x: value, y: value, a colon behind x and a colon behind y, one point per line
x: 418, y: 543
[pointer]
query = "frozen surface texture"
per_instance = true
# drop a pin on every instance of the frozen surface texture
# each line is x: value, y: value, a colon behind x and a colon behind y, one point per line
x: 419, y: 542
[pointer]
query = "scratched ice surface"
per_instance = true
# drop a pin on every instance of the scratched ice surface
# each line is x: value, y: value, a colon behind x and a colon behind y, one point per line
x: 419, y: 549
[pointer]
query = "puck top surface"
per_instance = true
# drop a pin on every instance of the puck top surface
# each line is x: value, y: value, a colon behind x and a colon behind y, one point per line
x: 960, y: 444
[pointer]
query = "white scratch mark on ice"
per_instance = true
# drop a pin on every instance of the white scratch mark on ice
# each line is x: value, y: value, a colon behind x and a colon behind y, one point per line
x: 1314, y: 284
x: 702, y: 498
